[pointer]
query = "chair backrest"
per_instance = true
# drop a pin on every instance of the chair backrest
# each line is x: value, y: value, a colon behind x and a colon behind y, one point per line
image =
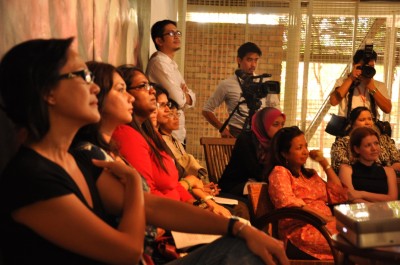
x: 261, y: 206
x: 398, y: 187
x: 218, y: 152
x: 260, y: 203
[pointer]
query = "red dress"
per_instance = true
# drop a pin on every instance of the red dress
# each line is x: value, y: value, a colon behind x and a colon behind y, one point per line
x: 285, y: 190
x: 134, y: 148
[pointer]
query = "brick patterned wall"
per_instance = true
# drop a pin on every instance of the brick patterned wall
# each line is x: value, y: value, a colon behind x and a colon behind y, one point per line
x: 210, y: 56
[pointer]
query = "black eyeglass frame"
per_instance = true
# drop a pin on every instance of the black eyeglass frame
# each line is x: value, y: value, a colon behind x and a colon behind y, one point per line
x: 86, y: 75
x: 146, y: 86
x: 163, y: 105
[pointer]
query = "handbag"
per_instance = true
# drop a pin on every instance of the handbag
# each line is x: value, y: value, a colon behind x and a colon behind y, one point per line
x: 165, y: 250
x: 337, y: 126
x: 384, y: 127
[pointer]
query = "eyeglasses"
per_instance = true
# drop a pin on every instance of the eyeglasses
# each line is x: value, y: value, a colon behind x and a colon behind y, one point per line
x: 173, y: 33
x: 174, y: 115
x: 145, y: 86
x: 164, y: 104
x: 85, y: 74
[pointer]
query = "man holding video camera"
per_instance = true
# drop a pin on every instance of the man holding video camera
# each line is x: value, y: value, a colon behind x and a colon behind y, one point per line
x: 361, y: 87
x: 230, y: 92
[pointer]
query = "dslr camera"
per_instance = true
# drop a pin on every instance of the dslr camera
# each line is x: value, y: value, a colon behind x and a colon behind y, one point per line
x: 366, y: 70
x: 254, y: 88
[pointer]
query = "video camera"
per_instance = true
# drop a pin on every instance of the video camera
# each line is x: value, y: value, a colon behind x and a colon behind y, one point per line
x: 366, y: 70
x: 253, y: 90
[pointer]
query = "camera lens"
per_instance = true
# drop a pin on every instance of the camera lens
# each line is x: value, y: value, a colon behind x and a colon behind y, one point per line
x: 368, y: 71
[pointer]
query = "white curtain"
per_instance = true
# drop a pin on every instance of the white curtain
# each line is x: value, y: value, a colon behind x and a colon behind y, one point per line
x: 104, y: 30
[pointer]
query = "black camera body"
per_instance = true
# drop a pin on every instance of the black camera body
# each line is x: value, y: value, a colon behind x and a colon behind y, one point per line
x: 255, y: 91
x: 260, y: 90
x: 254, y: 88
x: 366, y: 70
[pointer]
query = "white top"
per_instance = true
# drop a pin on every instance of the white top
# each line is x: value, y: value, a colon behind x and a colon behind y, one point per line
x: 230, y: 92
x: 162, y: 70
x: 361, y: 97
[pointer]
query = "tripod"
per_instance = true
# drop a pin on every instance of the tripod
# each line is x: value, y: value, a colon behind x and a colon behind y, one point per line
x: 247, y: 123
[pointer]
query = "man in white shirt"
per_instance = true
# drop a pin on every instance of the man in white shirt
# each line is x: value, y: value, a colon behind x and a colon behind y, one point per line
x: 162, y: 69
x: 230, y: 92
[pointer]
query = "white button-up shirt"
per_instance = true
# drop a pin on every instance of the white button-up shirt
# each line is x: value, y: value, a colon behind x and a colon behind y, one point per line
x: 162, y: 70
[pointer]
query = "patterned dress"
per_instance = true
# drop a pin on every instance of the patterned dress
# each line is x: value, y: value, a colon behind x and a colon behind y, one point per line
x: 341, y: 154
x: 285, y: 190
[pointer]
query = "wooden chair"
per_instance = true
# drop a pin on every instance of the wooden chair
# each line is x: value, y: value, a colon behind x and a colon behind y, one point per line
x: 217, y: 153
x: 398, y: 187
x: 266, y: 217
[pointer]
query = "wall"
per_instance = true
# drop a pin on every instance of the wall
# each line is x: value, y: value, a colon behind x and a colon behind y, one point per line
x: 210, y: 56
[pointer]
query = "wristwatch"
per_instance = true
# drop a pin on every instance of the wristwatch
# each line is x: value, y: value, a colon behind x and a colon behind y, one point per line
x: 372, y: 93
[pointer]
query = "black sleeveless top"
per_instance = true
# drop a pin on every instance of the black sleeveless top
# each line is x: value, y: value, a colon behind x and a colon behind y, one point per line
x: 369, y: 178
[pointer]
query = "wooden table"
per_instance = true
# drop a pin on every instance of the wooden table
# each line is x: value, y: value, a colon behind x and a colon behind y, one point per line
x: 350, y: 254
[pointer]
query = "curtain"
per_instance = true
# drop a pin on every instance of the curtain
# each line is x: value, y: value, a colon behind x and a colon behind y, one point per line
x: 103, y: 30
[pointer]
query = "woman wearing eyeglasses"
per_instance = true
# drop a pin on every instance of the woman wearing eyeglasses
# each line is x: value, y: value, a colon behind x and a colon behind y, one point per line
x: 115, y: 107
x: 137, y: 144
x: 50, y: 203
x: 167, y: 121
x: 143, y: 147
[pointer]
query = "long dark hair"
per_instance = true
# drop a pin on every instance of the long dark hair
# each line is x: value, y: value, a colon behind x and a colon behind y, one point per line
x: 103, y: 73
x: 28, y: 72
x: 146, y: 129
x: 281, y: 143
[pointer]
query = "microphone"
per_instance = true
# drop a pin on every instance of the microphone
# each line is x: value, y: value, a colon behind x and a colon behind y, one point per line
x: 243, y: 75
x: 262, y: 76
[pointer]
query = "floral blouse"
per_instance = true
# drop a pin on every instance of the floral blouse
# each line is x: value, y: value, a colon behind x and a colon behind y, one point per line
x: 285, y: 190
x: 341, y: 154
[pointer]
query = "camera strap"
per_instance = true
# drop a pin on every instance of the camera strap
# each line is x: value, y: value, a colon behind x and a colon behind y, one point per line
x: 350, y: 101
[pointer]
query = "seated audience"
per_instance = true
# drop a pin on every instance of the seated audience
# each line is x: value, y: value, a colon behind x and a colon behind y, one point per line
x: 292, y: 184
x: 251, y: 153
x: 140, y: 145
x: 367, y: 180
x: 340, y: 151
x: 168, y: 121
x: 51, y: 206
x: 115, y: 106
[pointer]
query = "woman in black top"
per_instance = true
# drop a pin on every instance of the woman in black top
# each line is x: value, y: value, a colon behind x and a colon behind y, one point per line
x: 51, y: 208
x: 367, y: 180
x: 250, y: 155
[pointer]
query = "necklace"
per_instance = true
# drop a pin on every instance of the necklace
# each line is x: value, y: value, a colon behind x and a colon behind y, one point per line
x: 362, y: 96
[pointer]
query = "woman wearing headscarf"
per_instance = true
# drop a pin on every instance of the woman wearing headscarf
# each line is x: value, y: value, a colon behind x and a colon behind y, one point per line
x: 250, y: 156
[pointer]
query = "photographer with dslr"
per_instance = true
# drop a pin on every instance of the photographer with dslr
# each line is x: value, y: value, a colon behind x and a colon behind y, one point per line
x: 230, y: 92
x: 359, y: 88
